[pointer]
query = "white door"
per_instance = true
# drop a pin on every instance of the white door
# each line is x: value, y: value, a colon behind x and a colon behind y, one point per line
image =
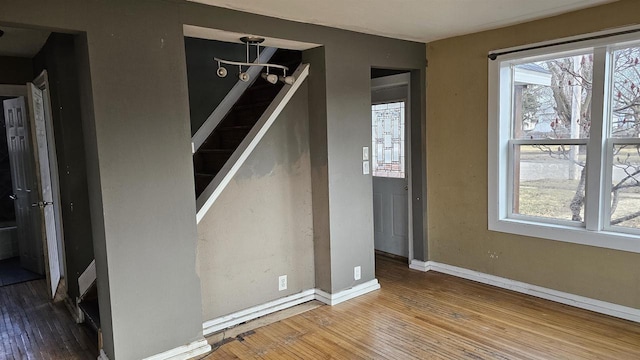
x: 389, y: 167
x: 39, y: 111
x: 24, y: 181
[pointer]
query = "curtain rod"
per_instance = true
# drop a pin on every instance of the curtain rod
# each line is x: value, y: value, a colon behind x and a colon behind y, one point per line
x: 493, y: 56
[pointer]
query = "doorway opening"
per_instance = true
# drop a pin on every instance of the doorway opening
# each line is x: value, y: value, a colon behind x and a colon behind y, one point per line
x: 398, y: 164
x: 45, y: 225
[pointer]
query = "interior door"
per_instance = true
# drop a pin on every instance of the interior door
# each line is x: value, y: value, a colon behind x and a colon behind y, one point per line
x: 24, y: 185
x: 389, y: 164
x: 49, y: 232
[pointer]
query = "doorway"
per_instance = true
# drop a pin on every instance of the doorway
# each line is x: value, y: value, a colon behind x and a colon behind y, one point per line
x: 36, y: 237
x: 20, y: 252
x: 390, y: 160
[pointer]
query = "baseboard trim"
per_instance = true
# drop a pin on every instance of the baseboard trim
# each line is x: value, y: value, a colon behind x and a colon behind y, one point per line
x: 224, y: 322
x: 184, y: 352
x: 215, y: 325
x: 419, y: 265
x: 599, y: 306
x: 344, y: 295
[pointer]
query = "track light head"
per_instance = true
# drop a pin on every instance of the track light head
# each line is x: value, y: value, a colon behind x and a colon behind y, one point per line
x: 289, y: 80
x: 271, y: 78
x: 243, y: 76
x: 222, y: 72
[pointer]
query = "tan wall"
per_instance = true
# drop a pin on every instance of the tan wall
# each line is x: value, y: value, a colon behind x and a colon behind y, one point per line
x: 457, y: 169
x: 261, y: 226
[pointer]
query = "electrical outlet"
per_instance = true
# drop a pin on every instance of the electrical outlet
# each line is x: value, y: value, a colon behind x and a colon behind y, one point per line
x: 356, y: 273
x: 282, y: 283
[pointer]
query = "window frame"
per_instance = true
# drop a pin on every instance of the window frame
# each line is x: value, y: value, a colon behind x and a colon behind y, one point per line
x: 595, y: 230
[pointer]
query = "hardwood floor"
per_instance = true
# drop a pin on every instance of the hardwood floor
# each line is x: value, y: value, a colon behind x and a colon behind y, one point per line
x: 32, y: 327
x: 419, y: 315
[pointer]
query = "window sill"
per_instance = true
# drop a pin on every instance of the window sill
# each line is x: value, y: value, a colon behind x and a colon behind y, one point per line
x: 570, y: 234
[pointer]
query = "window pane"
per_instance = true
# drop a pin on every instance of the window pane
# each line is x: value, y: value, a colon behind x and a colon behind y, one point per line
x: 552, y: 98
x: 625, y: 190
x: 625, y: 94
x: 388, y: 140
x: 549, y: 181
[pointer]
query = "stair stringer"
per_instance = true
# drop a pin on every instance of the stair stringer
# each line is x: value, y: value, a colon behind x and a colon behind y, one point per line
x: 240, y: 155
x: 227, y: 103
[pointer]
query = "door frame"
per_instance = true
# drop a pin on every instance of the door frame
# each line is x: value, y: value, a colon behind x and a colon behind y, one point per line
x: 391, y: 81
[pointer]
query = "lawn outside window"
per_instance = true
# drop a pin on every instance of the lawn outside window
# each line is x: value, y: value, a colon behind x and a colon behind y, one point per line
x: 564, y: 142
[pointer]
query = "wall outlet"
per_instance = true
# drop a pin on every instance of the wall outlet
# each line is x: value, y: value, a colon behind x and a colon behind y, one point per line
x: 356, y: 273
x: 282, y: 283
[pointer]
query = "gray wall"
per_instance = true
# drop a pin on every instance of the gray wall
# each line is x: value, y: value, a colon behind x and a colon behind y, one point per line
x: 343, y: 231
x: 261, y: 225
x: 139, y: 164
x: 206, y: 89
x: 58, y: 58
x: 15, y: 70
x: 137, y: 138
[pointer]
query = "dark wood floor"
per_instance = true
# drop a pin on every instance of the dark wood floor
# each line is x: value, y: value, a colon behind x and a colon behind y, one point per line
x: 32, y: 327
x: 435, y: 316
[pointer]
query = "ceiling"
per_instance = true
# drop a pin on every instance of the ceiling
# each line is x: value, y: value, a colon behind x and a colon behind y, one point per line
x: 22, y: 42
x: 417, y: 20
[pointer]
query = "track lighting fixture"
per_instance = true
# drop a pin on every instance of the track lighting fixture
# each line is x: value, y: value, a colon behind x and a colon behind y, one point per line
x: 272, y: 78
x: 243, y: 75
x: 222, y: 72
x: 289, y: 80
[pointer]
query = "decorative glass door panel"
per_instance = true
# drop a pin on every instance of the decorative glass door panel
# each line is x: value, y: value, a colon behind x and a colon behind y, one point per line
x: 387, y: 143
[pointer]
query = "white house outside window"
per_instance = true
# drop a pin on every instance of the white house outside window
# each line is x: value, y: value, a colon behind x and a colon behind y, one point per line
x: 564, y: 142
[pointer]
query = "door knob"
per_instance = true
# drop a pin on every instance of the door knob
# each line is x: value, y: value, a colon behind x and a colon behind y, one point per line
x: 41, y: 204
x: 13, y: 196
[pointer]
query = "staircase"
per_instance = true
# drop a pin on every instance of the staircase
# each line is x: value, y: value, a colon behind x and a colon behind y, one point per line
x: 234, y: 127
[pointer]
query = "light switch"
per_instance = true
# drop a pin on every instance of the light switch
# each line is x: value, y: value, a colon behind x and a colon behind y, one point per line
x: 365, y: 153
x: 365, y: 167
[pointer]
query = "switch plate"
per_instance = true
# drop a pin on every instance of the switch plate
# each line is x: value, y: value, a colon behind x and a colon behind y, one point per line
x: 365, y: 167
x: 357, y: 273
x: 282, y: 282
x: 365, y: 153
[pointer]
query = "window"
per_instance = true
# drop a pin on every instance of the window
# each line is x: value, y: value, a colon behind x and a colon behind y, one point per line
x: 387, y: 144
x: 564, y: 142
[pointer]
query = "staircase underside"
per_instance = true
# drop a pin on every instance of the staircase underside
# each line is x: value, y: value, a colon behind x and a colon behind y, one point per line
x: 216, y: 150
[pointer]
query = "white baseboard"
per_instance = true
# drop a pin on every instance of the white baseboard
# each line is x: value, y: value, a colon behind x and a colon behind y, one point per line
x: 221, y: 323
x: 599, y: 306
x: 183, y: 352
x: 344, y: 295
x: 212, y: 326
x: 419, y: 265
